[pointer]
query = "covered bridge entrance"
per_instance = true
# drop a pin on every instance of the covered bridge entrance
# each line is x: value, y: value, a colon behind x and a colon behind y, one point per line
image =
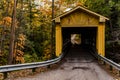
x: 90, y: 25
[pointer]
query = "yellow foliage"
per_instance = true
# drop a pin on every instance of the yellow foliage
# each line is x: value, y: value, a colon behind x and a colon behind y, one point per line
x: 18, y: 53
x: 21, y: 37
x: 0, y: 22
x: 36, y: 15
x: 79, y: 4
x: 20, y: 59
x: 47, y: 53
x: 20, y: 45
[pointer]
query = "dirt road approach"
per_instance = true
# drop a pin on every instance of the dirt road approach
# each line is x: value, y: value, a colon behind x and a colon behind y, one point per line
x: 78, y: 65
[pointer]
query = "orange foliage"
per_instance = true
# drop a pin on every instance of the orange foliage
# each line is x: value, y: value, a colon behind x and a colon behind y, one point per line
x: 18, y: 53
x: 6, y: 21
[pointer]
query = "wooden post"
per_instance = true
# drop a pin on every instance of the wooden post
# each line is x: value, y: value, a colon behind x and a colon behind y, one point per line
x: 111, y: 68
x: 48, y: 66
x: 58, y: 39
x: 5, y: 75
x: 33, y: 70
x: 101, y: 39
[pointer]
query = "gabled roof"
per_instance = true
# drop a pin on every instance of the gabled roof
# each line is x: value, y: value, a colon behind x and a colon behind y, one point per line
x: 82, y: 8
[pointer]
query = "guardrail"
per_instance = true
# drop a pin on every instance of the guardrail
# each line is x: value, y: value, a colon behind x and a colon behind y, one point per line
x: 110, y: 62
x: 65, y: 45
x: 106, y: 60
x: 9, y: 68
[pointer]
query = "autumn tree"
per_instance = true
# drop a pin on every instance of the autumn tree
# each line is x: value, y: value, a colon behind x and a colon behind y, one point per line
x: 12, y: 35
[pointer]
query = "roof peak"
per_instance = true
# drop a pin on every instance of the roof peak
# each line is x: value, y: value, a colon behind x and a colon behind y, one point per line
x: 82, y: 8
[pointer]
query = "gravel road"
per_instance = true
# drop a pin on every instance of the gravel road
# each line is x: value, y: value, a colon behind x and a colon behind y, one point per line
x: 78, y: 65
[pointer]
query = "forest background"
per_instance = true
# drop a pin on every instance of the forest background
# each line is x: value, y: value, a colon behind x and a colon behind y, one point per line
x: 26, y: 28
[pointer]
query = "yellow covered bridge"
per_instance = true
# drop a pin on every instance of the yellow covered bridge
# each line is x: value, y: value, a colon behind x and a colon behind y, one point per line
x: 80, y: 20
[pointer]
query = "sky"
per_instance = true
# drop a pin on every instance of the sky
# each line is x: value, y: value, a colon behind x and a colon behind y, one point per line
x: 40, y: 3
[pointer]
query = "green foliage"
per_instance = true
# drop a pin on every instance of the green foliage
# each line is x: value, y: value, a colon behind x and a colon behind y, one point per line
x: 99, y: 6
x: 3, y: 59
x: 31, y: 58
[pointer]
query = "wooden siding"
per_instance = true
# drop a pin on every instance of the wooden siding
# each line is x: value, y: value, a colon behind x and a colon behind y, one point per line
x: 101, y: 39
x: 58, y: 39
x: 80, y: 18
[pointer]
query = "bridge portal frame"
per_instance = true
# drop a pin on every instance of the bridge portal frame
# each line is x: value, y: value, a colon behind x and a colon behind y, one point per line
x: 80, y: 17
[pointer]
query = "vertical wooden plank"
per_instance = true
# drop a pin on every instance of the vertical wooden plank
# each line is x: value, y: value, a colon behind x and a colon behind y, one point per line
x: 101, y: 39
x: 97, y: 40
x: 58, y: 39
x: 80, y: 18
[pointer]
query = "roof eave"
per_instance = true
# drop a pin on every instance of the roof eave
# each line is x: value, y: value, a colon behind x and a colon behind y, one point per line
x: 80, y: 7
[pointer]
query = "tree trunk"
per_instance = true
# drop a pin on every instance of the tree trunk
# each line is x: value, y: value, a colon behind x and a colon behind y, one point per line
x: 52, y: 30
x: 12, y: 35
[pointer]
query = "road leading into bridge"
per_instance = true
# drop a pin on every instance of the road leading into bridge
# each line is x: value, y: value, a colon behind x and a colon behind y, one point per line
x: 78, y: 65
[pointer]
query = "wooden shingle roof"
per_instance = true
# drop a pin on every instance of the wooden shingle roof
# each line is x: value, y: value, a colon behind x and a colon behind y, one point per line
x: 84, y: 9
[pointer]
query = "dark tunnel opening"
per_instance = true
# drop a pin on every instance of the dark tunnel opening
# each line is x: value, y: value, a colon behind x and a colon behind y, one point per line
x: 87, y: 37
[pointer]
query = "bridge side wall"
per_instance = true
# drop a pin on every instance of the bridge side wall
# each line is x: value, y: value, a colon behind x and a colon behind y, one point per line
x: 101, y: 39
x: 58, y: 39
